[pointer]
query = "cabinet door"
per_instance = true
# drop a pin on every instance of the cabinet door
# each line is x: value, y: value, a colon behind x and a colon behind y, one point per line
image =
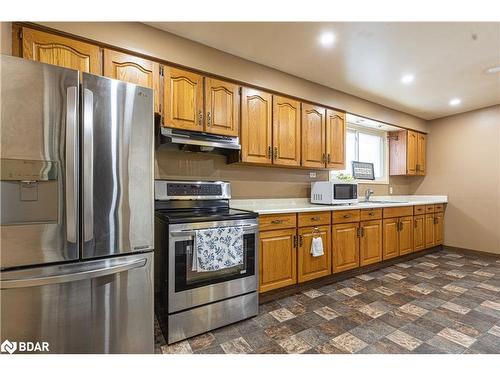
x: 277, y: 259
x: 438, y: 228
x: 310, y: 267
x: 57, y: 50
x: 405, y: 235
x: 390, y: 238
x: 256, y: 126
x: 132, y: 69
x: 421, y: 149
x: 313, y: 136
x: 429, y: 230
x: 411, y: 153
x: 418, y: 233
x: 345, y: 247
x: 370, y: 242
x: 286, y: 131
x: 222, y: 107
x: 183, y: 98
x: 335, y: 139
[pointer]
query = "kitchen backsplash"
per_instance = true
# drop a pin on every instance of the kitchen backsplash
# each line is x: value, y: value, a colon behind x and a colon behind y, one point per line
x: 249, y: 181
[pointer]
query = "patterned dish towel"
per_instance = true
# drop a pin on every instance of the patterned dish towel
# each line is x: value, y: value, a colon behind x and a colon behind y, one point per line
x: 217, y: 249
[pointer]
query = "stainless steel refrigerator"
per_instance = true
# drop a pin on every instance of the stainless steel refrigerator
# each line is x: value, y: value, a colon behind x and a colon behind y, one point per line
x: 76, y: 210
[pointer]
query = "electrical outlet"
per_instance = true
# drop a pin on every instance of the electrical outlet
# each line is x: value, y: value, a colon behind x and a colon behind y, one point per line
x: 312, y: 174
x: 390, y: 190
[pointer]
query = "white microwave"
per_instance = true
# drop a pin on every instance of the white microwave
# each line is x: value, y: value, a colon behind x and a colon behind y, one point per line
x: 334, y: 192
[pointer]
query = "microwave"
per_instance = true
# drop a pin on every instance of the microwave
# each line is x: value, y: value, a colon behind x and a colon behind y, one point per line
x: 334, y: 192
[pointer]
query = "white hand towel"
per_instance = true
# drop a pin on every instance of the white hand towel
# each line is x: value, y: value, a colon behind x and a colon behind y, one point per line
x: 317, y: 247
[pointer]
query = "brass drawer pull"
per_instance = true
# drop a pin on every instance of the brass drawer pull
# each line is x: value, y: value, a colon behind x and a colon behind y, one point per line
x: 315, y: 218
x: 371, y: 213
x: 277, y: 221
x: 347, y: 216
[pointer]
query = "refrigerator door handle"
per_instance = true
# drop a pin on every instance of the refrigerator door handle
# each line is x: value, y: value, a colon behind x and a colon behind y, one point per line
x: 70, y: 277
x: 88, y: 158
x: 71, y: 164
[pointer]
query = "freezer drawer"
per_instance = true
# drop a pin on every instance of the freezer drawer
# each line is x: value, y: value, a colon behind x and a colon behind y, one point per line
x: 100, y: 306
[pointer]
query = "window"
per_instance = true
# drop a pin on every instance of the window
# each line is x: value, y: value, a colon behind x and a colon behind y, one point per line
x: 367, y: 145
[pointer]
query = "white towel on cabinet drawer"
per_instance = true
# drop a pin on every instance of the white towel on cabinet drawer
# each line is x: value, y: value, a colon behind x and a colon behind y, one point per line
x: 317, y: 247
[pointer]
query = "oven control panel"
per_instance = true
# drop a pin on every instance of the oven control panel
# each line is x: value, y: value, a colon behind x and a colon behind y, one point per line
x: 167, y: 190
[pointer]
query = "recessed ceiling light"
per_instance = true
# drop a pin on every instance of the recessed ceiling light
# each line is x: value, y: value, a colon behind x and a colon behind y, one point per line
x: 407, y: 79
x: 327, y: 39
x: 493, y: 70
x: 454, y: 102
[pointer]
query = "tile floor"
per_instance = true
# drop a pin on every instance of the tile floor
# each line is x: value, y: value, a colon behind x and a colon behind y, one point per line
x: 443, y: 302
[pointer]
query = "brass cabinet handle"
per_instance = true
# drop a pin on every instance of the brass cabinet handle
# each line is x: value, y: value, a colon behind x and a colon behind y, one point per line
x: 269, y: 152
x: 275, y: 152
x: 371, y: 213
x: 328, y: 158
x: 277, y: 221
x: 301, y: 240
x: 347, y: 216
x: 209, y: 119
x: 315, y: 218
x: 323, y: 158
x: 200, y: 117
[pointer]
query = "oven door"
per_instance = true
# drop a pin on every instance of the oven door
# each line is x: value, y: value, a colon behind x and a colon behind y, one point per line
x: 343, y: 192
x: 188, y: 288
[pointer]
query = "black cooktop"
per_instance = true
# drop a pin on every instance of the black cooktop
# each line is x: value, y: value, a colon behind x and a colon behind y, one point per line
x: 201, y: 215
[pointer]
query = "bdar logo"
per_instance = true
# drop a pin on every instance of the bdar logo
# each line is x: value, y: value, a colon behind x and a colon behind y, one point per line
x: 9, y: 347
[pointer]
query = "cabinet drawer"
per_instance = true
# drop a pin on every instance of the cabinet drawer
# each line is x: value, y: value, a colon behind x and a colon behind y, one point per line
x: 371, y: 214
x: 345, y: 216
x: 280, y: 221
x: 307, y: 219
x: 398, y: 212
x: 419, y: 210
x: 429, y: 208
x: 439, y: 207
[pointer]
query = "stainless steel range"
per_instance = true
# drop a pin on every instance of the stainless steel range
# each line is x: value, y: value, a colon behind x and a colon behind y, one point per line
x: 189, y: 302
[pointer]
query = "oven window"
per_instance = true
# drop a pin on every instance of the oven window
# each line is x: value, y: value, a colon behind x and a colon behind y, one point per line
x: 344, y: 191
x: 186, y: 279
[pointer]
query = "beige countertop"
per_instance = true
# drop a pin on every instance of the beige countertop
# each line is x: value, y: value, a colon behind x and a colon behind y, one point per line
x: 289, y: 205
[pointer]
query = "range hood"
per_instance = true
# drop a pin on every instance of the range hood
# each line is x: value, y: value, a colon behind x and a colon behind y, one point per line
x: 196, y: 141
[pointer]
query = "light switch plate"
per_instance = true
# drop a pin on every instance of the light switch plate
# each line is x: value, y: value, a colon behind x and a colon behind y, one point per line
x: 312, y: 174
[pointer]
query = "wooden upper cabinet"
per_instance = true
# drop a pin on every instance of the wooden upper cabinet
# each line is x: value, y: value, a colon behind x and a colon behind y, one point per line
x: 421, y: 150
x: 407, y: 153
x: 345, y: 247
x: 58, y: 50
x: 310, y: 267
x: 313, y: 136
x: 390, y: 238
x: 256, y: 126
x: 134, y: 70
x: 222, y: 104
x: 286, y: 131
x: 370, y: 242
x: 335, y: 139
x: 405, y: 235
x: 277, y: 259
x: 183, y: 98
x: 418, y: 233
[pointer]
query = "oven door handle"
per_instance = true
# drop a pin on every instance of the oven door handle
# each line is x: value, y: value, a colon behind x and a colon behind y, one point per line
x: 187, y: 232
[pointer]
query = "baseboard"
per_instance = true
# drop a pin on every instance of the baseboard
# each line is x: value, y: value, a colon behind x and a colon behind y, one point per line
x: 470, y: 251
x: 297, y: 288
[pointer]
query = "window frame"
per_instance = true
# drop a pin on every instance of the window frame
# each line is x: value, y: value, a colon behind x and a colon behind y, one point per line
x: 384, y: 180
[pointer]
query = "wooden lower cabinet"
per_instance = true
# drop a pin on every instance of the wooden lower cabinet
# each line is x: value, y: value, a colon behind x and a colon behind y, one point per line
x: 345, y: 247
x: 310, y: 267
x: 370, y: 242
x: 277, y: 259
x: 418, y: 233
x: 429, y: 230
x: 390, y: 238
x: 438, y: 228
x: 405, y: 235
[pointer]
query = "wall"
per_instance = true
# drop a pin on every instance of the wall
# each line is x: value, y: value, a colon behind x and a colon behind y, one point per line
x: 464, y: 163
x: 247, y: 181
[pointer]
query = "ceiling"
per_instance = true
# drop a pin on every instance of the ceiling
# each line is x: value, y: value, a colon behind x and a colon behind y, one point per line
x: 368, y: 60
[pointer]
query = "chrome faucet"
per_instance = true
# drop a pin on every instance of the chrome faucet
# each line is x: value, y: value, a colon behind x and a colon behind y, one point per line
x: 368, y: 194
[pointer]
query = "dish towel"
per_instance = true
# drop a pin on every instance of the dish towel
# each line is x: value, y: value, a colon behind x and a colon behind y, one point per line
x: 217, y: 249
x: 317, y: 247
